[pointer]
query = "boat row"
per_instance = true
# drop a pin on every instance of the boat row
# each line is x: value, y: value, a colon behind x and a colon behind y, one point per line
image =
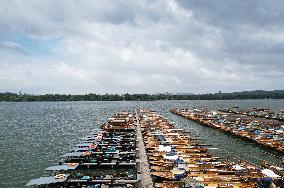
x: 257, y: 112
x: 104, y: 158
x: 266, y: 132
x: 145, y: 149
x: 176, y: 159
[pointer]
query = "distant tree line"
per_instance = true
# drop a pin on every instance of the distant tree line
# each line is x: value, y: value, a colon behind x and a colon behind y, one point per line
x: 257, y: 94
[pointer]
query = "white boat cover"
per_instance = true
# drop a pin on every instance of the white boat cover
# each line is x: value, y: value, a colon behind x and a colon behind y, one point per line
x: 269, y: 173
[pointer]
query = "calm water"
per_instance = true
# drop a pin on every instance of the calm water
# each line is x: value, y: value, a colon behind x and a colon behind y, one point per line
x: 34, y: 135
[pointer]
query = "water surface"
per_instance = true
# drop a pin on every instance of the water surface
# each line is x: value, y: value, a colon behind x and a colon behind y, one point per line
x: 35, y: 134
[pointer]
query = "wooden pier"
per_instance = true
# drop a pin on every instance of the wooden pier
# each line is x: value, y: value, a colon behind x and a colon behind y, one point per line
x: 143, y: 167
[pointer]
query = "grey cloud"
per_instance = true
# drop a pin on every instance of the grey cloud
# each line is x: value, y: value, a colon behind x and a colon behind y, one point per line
x: 143, y: 46
x: 230, y: 13
x: 239, y: 22
x: 11, y: 47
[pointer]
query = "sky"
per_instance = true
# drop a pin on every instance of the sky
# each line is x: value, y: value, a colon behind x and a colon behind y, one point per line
x: 92, y: 46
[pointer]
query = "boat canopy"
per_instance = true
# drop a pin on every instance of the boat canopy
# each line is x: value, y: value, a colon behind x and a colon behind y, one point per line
x: 237, y: 167
x: 84, y: 145
x: 62, y: 167
x: 45, y: 181
x: 90, y: 138
x: 269, y: 173
x: 73, y: 154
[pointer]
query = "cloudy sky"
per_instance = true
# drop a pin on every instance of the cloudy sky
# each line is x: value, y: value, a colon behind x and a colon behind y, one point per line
x: 77, y: 47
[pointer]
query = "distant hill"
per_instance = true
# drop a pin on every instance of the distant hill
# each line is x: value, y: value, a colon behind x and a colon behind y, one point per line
x: 256, y: 94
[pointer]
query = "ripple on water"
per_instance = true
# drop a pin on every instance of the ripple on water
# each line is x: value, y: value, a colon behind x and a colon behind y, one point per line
x: 34, y: 135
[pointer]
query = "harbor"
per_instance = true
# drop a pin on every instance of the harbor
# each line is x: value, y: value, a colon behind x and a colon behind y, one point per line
x: 177, y: 159
x: 142, y: 94
x: 145, y: 149
x: 104, y: 158
x: 263, y: 131
x: 257, y: 112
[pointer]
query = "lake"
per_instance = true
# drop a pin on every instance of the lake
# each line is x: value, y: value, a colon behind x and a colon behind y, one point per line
x: 34, y: 135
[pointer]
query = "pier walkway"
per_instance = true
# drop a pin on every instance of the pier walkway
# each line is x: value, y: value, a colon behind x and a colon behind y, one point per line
x: 144, y: 165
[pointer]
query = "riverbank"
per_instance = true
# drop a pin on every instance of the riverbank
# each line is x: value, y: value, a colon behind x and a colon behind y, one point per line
x: 260, y: 94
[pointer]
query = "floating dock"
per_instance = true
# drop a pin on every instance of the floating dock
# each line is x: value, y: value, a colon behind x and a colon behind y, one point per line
x: 263, y: 131
x: 257, y: 112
